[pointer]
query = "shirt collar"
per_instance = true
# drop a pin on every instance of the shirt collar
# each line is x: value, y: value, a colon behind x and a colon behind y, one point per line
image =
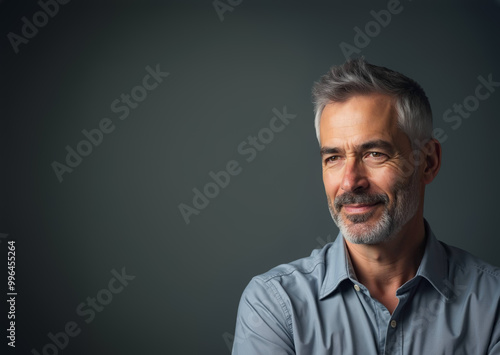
x: 433, y: 267
x: 434, y: 264
x: 338, y: 267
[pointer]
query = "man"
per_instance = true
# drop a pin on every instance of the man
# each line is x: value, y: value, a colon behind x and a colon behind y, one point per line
x: 386, y: 285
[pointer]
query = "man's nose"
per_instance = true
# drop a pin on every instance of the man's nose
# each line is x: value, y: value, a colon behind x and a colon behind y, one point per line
x: 354, y: 177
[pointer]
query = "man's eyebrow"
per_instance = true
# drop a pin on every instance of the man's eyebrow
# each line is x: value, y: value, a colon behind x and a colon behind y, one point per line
x: 329, y: 150
x: 378, y: 143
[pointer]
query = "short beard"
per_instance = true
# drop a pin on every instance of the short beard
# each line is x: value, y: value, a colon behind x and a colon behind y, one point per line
x: 406, y: 202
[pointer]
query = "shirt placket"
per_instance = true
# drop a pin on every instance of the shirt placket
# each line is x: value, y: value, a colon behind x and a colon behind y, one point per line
x: 394, y: 328
x: 389, y: 327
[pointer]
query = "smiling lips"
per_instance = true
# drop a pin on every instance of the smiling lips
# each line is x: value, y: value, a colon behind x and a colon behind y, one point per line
x: 359, y: 207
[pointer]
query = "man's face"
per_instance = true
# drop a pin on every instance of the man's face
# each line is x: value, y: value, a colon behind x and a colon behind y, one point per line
x: 371, y: 192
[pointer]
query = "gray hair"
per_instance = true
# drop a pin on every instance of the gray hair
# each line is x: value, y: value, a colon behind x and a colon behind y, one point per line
x: 358, y: 77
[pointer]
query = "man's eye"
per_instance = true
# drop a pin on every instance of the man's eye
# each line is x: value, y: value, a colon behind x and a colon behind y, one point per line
x: 376, y: 155
x: 332, y: 159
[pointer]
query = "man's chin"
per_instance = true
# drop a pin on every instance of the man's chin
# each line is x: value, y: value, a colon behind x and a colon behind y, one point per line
x: 359, y: 234
x: 357, y: 230
x: 358, y: 218
x: 360, y: 228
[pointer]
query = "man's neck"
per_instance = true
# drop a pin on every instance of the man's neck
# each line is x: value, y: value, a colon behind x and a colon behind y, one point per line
x: 385, y: 267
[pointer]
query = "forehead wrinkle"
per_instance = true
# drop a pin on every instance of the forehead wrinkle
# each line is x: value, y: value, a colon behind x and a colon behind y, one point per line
x: 347, y: 125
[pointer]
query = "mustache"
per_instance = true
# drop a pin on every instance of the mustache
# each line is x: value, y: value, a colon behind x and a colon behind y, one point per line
x: 349, y: 198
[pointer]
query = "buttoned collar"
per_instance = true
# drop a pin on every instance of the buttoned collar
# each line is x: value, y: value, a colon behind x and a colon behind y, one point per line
x: 433, y: 267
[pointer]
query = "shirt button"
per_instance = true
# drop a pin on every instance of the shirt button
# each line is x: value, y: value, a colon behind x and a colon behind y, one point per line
x: 356, y: 287
x: 393, y: 323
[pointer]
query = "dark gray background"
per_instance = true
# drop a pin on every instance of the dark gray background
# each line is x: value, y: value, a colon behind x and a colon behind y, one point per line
x: 119, y: 207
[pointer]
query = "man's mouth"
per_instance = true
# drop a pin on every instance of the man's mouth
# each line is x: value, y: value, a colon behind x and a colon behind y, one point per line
x: 359, y: 207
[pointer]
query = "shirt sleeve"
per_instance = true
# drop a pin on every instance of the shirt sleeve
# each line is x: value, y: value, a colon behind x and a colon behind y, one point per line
x: 495, y: 338
x: 263, y: 324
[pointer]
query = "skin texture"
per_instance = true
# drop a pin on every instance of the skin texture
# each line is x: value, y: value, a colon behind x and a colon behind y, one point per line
x: 365, y: 152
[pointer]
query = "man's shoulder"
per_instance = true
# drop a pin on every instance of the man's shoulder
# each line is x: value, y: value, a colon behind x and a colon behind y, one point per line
x: 299, y: 277
x: 268, y: 302
x: 311, y: 266
x: 284, y: 284
x: 470, y: 268
x: 466, y: 260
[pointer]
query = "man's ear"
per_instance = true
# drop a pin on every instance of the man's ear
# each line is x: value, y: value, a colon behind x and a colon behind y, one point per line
x: 432, y: 160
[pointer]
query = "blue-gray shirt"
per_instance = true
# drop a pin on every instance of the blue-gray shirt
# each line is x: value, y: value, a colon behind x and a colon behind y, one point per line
x: 316, y: 306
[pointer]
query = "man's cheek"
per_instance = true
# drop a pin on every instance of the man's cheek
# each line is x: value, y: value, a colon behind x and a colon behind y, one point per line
x: 395, y: 171
x: 330, y: 182
x: 404, y: 167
